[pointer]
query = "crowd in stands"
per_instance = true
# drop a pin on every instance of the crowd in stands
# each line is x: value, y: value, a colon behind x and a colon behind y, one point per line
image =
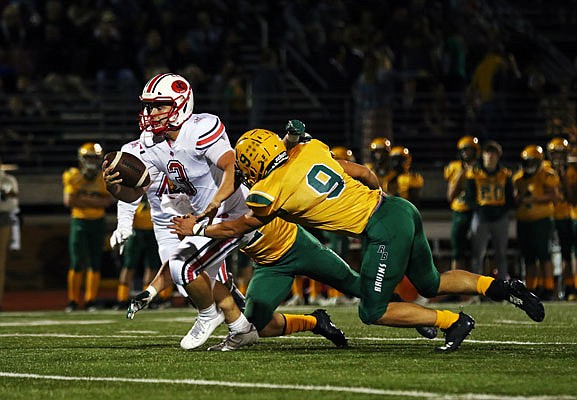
x: 455, y: 67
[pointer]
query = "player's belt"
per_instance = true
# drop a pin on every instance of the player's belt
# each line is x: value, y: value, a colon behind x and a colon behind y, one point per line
x: 381, y: 200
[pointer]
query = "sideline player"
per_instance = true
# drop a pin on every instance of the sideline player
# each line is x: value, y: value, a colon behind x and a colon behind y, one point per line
x: 536, y: 191
x: 313, y: 189
x: 455, y: 173
x: 85, y: 194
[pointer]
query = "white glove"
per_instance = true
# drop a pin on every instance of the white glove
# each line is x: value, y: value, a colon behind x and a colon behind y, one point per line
x: 119, y: 237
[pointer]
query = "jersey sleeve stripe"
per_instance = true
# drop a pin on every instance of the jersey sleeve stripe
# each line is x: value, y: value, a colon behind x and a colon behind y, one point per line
x: 259, y: 199
x: 207, y: 139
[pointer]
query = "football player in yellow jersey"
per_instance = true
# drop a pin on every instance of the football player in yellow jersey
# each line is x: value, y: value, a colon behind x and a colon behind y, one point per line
x: 313, y: 189
x: 571, y: 193
x: 489, y: 193
x: 557, y: 152
x: 536, y: 191
x: 86, y: 195
x: 469, y: 151
x: 400, y: 180
x: 380, y: 148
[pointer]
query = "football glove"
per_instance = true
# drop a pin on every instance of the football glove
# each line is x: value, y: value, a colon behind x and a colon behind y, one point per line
x: 119, y: 237
x: 295, y: 127
x: 139, y: 302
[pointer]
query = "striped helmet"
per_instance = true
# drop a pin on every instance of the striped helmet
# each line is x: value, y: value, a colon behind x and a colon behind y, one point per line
x: 166, y: 90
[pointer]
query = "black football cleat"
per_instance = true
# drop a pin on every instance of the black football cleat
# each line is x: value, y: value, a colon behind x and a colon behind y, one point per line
x: 429, y: 332
x: 456, y: 333
x: 325, y: 327
x: 521, y: 297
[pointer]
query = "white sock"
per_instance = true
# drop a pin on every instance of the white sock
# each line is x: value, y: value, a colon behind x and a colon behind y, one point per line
x: 209, y: 312
x: 240, y: 325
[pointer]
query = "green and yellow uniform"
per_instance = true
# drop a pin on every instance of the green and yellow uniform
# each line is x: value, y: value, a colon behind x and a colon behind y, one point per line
x: 400, y: 184
x: 571, y: 180
x: 87, y: 226
x: 534, y: 220
x: 87, y: 232
x: 461, y: 213
x: 564, y: 225
x: 281, y: 250
x: 490, y: 194
x: 312, y: 189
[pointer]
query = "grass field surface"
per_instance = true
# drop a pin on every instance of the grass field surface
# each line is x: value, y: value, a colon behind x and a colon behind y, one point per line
x: 102, y: 355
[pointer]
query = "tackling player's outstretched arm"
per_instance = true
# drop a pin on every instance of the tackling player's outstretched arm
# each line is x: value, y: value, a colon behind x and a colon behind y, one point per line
x: 360, y: 173
x: 188, y: 226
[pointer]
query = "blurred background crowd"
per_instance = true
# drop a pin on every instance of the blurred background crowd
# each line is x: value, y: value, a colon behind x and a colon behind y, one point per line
x: 422, y: 73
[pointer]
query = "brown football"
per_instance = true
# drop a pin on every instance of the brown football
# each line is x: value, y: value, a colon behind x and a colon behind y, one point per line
x: 132, y: 171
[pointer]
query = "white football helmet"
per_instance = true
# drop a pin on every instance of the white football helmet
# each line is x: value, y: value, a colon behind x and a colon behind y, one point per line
x: 166, y: 89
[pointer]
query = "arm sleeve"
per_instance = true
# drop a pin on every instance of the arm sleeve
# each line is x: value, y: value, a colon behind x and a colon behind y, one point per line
x: 125, y: 213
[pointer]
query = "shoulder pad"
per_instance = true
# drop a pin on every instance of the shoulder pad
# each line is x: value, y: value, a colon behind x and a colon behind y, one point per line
x: 208, y: 129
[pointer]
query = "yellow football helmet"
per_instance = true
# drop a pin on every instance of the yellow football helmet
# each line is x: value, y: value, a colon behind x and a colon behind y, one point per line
x: 557, y: 152
x: 381, y: 143
x: 342, y: 153
x: 380, y: 148
x: 90, y: 156
x: 558, y: 144
x: 531, y: 158
x: 401, y: 159
x: 469, y: 148
x: 258, y: 152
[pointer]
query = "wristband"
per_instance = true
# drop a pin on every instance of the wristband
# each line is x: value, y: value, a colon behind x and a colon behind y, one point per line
x: 199, y: 228
x: 153, y: 292
x: 292, y: 138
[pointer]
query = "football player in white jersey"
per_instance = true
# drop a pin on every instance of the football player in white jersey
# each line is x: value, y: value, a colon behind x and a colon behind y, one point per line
x: 186, y: 148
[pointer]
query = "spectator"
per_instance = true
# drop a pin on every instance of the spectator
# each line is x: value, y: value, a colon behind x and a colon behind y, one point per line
x: 111, y: 55
x: 265, y: 83
x: 9, y: 223
x: 153, y: 56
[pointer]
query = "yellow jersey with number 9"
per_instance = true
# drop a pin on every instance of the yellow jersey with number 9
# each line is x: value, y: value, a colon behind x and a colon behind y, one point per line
x: 312, y: 189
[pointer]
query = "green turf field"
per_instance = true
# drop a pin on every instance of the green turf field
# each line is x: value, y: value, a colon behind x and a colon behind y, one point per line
x: 101, y: 355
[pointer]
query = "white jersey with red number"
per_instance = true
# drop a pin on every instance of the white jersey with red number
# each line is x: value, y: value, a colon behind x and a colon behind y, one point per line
x: 189, y: 163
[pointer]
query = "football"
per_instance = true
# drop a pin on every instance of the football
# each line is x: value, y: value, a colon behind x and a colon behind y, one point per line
x: 132, y: 171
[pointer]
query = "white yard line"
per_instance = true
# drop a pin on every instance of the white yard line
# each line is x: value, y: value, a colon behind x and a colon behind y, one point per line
x: 151, y: 334
x: 269, y: 386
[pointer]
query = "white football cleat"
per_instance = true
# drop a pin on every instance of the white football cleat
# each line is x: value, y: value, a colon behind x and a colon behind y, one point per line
x: 201, y: 331
x: 235, y: 341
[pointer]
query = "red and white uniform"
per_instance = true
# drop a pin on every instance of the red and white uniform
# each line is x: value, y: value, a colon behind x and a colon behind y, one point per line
x: 188, y: 165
